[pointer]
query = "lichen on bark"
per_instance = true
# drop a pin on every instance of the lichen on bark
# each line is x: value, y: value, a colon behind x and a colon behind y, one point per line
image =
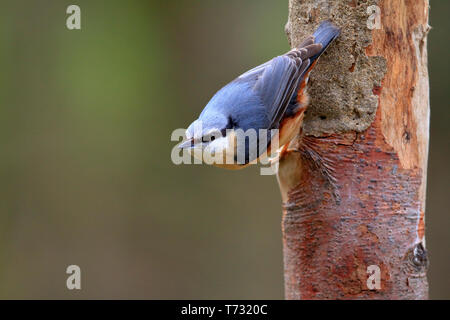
x: 353, y: 184
x: 340, y: 101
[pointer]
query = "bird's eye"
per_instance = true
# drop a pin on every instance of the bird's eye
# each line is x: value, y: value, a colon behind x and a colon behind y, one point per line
x: 210, y: 137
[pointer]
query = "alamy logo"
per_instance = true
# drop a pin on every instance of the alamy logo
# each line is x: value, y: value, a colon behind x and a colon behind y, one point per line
x: 374, y: 279
x: 74, y: 280
x: 374, y: 21
x: 73, y: 21
x: 230, y: 147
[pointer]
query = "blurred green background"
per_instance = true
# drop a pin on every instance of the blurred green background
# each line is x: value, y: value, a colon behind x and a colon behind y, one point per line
x: 85, y: 170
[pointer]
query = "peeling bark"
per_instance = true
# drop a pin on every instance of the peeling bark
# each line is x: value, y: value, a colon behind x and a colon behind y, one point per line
x: 354, y: 191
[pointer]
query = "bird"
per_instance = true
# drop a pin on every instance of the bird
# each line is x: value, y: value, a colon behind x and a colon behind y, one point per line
x: 269, y: 100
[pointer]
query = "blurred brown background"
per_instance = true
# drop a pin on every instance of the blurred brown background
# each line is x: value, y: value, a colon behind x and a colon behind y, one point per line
x: 85, y: 170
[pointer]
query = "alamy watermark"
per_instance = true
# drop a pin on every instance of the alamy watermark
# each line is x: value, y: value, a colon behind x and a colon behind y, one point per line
x: 374, y: 280
x: 374, y: 20
x: 73, y: 21
x: 74, y: 280
x: 231, y: 147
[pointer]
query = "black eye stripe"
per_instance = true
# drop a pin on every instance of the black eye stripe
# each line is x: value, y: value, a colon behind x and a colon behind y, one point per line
x: 212, y: 136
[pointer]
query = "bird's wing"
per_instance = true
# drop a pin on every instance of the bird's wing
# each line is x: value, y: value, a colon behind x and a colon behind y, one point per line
x: 275, y: 81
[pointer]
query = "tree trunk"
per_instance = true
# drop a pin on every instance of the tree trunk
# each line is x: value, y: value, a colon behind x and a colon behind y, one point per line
x: 354, y: 191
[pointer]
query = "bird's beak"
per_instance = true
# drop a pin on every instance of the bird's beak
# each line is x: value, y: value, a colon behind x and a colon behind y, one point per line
x: 188, y: 144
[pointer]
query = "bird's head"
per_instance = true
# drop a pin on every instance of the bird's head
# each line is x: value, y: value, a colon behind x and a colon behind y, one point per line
x: 221, y: 129
x: 209, y: 135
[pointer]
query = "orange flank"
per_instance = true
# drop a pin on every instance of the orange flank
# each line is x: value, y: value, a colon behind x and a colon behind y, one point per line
x: 290, y: 126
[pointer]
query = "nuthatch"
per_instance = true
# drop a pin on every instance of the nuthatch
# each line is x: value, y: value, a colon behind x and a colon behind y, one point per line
x: 270, y: 96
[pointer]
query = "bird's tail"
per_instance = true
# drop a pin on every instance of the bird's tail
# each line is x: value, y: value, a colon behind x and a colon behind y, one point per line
x: 325, y: 34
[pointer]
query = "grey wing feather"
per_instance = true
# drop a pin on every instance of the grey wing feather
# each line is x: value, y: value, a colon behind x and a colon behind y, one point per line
x: 276, y: 81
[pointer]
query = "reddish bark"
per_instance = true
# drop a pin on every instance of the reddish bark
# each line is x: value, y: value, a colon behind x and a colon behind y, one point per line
x: 357, y: 199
